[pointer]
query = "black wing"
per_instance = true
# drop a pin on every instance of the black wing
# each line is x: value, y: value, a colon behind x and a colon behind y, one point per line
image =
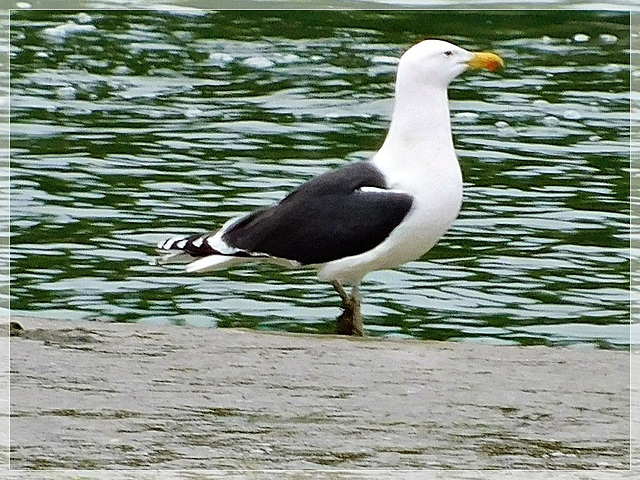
x: 327, y: 218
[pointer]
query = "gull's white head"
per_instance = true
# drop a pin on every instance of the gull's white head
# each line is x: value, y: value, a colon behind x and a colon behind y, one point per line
x: 437, y: 63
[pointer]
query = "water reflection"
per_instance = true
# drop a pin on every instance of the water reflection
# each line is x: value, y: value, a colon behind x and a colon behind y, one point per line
x: 153, y: 123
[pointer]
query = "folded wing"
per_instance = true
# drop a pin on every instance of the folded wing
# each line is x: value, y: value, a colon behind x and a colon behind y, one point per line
x: 341, y: 213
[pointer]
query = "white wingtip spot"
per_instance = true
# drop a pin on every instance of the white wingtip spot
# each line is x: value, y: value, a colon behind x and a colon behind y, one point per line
x: 198, y: 242
x: 168, y: 243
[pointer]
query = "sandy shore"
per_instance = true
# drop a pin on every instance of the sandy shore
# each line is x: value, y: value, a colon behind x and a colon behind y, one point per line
x: 113, y: 396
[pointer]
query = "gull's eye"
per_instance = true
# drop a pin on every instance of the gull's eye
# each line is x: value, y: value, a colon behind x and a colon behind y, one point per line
x: 448, y: 53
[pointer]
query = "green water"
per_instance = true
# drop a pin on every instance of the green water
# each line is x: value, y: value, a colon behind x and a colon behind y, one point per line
x: 127, y: 127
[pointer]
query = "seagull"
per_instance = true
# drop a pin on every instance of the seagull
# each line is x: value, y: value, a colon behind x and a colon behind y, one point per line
x: 367, y: 216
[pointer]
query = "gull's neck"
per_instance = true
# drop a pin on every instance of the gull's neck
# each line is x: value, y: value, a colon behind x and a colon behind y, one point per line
x: 420, y: 130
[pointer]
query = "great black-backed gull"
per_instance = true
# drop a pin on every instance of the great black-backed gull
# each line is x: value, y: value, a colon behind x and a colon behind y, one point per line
x: 366, y: 216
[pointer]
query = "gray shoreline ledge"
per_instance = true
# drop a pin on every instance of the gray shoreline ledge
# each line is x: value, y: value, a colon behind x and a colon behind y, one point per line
x: 121, y: 396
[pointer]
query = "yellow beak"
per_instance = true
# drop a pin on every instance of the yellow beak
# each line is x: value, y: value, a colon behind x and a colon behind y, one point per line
x: 487, y: 60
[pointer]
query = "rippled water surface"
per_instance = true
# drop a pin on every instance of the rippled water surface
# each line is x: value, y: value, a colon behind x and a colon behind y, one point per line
x: 130, y: 126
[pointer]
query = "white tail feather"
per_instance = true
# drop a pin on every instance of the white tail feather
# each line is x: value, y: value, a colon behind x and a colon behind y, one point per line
x: 215, y: 262
x: 175, y: 257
